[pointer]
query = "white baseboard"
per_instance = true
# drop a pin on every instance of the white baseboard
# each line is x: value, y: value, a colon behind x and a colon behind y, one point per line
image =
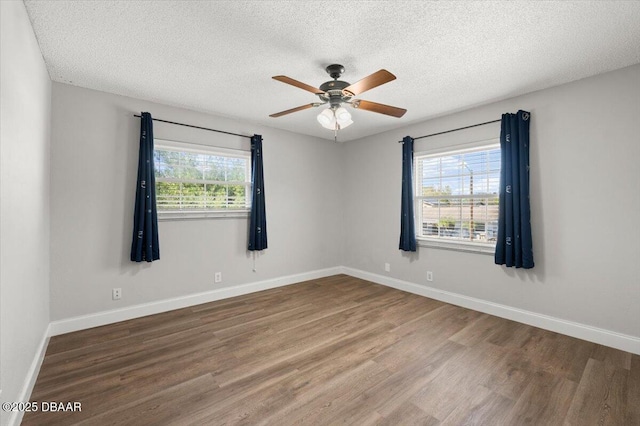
x: 30, y: 380
x: 581, y: 331
x: 136, y: 311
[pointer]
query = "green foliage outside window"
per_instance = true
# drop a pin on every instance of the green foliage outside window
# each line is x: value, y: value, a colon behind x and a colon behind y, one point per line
x: 198, y: 181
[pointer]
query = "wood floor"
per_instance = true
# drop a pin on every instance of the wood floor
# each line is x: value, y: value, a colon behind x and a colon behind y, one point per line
x: 336, y: 350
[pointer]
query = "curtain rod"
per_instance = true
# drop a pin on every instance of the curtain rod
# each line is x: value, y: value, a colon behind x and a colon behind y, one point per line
x: 197, y: 127
x: 455, y: 130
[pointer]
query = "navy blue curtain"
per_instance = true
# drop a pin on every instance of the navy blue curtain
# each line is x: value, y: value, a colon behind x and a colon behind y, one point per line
x: 258, y: 223
x: 514, y: 245
x: 144, y: 246
x: 407, y: 224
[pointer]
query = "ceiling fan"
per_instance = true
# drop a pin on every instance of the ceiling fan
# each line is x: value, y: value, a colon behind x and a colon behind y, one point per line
x: 337, y: 92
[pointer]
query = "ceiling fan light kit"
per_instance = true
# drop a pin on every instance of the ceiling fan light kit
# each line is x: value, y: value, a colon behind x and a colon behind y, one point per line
x: 336, y: 92
x: 330, y: 118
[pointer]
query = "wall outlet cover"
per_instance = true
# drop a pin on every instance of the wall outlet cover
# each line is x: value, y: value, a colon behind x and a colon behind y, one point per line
x: 116, y: 294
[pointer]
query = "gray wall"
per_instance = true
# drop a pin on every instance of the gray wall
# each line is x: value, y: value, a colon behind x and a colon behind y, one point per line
x: 24, y: 199
x: 94, y: 161
x: 585, y: 197
x: 585, y: 186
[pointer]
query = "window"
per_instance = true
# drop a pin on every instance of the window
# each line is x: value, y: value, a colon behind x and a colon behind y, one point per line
x: 200, y: 181
x: 457, y: 197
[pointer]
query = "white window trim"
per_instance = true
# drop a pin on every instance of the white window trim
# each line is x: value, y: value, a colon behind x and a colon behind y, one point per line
x: 453, y: 149
x: 439, y: 243
x: 482, y: 248
x: 192, y: 147
x: 189, y: 215
x: 178, y: 215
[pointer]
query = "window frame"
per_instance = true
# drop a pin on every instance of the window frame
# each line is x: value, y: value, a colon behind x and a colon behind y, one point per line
x: 438, y: 242
x: 176, y: 146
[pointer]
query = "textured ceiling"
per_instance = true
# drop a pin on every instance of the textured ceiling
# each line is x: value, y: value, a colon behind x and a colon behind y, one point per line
x: 219, y: 57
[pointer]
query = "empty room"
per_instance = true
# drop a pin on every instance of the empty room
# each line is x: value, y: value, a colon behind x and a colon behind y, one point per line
x: 320, y: 213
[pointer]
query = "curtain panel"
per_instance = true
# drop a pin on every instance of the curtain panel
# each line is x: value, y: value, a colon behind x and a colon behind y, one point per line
x: 407, y: 222
x: 144, y: 246
x: 258, y: 220
x: 514, y: 245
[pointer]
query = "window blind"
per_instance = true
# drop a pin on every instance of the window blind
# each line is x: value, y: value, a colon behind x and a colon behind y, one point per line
x: 197, y: 179
x: 457, y: 195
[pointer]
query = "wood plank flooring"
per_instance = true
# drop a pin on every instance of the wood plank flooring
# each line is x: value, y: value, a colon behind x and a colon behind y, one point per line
x: 337, y: 350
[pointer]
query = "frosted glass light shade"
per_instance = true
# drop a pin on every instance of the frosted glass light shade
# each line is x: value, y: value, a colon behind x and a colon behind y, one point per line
x: 342, y: 114
x: 327, y: 119
x: 343, y: 117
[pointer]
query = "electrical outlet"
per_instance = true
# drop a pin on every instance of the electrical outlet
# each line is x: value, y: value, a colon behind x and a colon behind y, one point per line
x: 387, y: 267
x: 429, y: 276
x: 116, y: 294
x: 217, y: 277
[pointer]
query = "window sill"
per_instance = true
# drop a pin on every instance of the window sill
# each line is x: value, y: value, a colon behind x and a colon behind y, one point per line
x: 482, y: 248
x: 187, y: 215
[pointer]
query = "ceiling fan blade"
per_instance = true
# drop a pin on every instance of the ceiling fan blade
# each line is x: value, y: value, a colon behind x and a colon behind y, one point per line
x: 379, y: 108
x: 374, y: 80
x: 299, y: 84
x: 289, y: 111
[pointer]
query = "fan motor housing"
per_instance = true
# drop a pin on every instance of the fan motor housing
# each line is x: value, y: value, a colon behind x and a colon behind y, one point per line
x: 333, y: 92
x: 334, y: 85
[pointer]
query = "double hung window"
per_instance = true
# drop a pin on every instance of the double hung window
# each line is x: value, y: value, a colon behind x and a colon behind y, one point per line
x: 456, y: 197
x: 201, y: 181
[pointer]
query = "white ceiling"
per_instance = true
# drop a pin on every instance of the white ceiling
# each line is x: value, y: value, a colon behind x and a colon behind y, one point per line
x: 219, y: 57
